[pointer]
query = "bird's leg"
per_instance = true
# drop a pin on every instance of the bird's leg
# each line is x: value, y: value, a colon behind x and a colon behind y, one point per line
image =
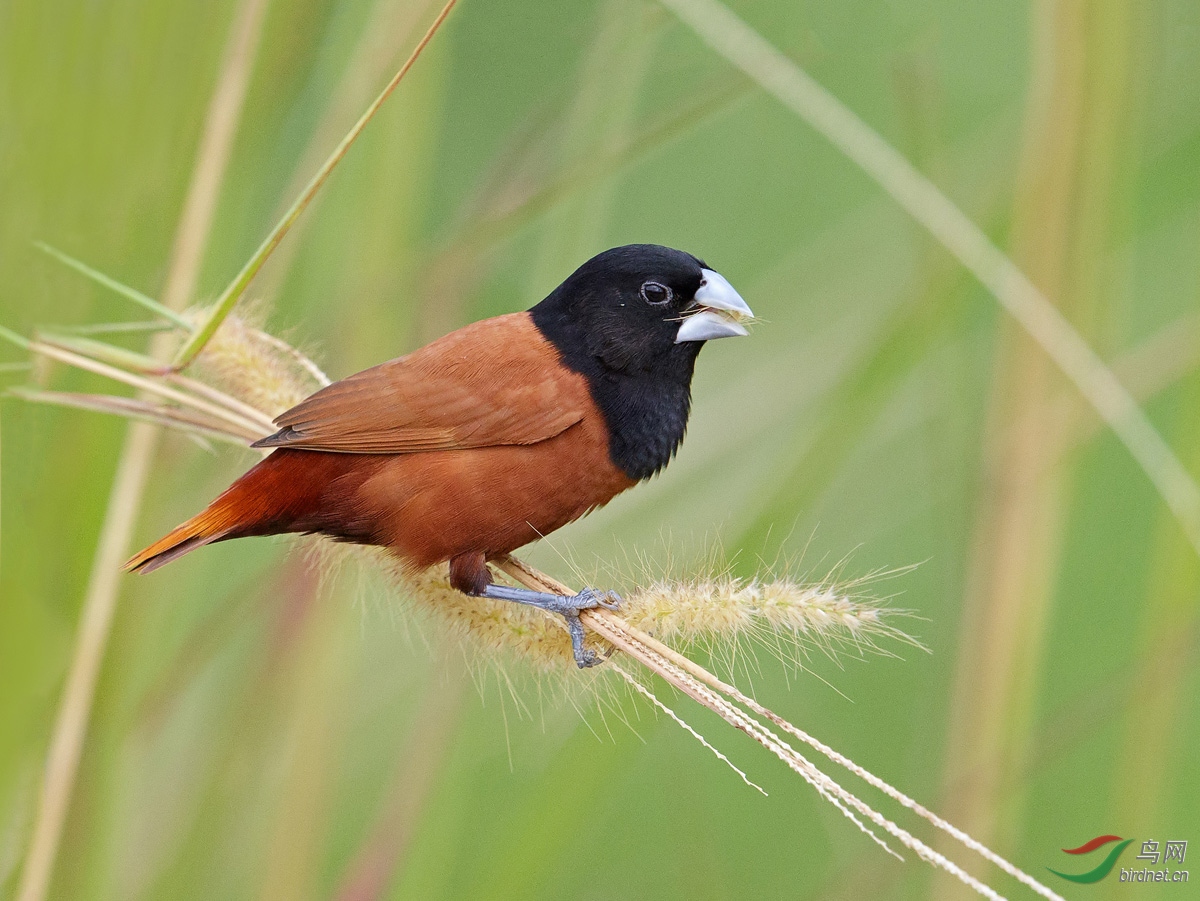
x: 567, y: 606
x: 469, y: 574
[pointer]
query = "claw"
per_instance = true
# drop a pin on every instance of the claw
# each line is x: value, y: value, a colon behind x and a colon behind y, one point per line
x: 591, y: 598
x: 611, y: 601
x: 584, y: 657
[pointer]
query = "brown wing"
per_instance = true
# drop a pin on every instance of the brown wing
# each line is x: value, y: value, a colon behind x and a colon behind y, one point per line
x: 494, y: 382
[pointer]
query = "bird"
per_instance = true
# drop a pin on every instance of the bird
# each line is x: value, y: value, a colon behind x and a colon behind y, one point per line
x: 494, y: 435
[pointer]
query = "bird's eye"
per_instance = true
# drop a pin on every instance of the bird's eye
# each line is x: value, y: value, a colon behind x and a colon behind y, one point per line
x: 653, y: 292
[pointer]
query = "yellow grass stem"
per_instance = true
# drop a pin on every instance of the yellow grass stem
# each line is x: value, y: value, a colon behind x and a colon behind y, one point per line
x: 135, y: 409
x: 74, y: 711
x: 149, y: 385
x: 99, y: 604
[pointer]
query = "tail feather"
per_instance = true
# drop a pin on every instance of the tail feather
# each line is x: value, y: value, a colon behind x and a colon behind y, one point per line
x: 285, y: 492
x: 217, y: 522
x: 238, y: 511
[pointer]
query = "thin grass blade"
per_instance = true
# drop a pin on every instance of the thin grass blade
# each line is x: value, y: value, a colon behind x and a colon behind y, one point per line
x: 233, y: 293
x: 113, y: 285
x: 132, y: 408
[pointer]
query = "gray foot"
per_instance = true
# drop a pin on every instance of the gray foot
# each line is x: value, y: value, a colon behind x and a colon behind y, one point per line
x: 568, y: 606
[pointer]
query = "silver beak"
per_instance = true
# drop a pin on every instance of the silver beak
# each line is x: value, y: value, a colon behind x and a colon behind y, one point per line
x: 720, y: 312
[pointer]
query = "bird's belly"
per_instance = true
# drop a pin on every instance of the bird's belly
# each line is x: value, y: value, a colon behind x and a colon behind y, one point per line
x: 432, y: 506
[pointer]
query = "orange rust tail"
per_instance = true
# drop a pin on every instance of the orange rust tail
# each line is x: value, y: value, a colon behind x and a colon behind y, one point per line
x: 259, y: 497
x: 285, y: 492
x: 218, y: 521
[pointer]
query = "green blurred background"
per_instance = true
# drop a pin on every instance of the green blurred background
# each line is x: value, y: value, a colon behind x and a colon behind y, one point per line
x: 258, y: 735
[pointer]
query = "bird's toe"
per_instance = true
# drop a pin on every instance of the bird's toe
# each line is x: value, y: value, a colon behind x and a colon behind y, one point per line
x: 591, y: 598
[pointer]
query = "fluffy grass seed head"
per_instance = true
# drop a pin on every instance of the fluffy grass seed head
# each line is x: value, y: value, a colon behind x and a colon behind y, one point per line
x: 720, y: 612
x: 724, y: 607
x: 256, y: 367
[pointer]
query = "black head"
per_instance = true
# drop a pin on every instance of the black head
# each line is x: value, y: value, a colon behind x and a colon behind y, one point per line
x: 632, y: 320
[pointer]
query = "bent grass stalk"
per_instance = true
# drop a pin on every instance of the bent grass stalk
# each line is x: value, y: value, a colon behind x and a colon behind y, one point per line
x: 142, y: 411
x: 620, y: 633
x: 718, y: 27
x: 238, y: 355
x: 874, y: 781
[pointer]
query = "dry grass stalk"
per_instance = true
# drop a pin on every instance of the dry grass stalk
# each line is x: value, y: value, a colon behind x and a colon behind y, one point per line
x: 691, y: 678
x: 139, y: 410
x: 223, y: 414
x: 650, y: 696
x: 871, y: 779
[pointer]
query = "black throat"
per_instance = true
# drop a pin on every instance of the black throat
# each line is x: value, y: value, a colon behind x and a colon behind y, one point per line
x: 645, y: 407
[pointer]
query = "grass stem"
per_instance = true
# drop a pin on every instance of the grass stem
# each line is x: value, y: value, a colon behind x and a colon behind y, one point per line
x: 99, y: 604
x: 112, y: 284
x: 233, y: 293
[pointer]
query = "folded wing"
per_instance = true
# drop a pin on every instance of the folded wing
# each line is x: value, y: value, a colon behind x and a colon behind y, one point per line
x: 495, y: 382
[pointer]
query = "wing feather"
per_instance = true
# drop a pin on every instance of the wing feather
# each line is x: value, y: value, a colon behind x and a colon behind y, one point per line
x: 495, y: 382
